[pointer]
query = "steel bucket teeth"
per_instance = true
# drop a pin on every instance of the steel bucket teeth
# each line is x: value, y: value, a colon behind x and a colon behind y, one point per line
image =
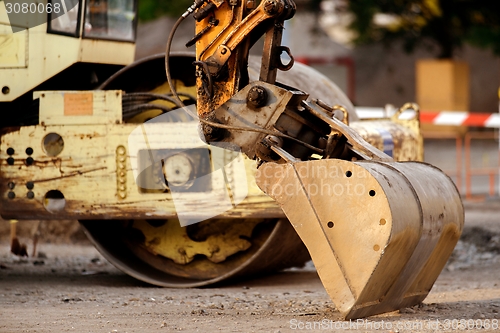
x: 378, y: 233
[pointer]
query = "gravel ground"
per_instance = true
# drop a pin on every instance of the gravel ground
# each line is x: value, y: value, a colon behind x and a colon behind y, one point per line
x: 72, y: 288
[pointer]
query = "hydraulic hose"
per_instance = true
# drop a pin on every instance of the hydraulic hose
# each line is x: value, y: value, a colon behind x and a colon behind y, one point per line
x: 189, y: 11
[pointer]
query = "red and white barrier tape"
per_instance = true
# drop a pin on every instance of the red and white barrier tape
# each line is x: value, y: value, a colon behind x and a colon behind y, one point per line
x: 450, y: 118
x: 455, y: 118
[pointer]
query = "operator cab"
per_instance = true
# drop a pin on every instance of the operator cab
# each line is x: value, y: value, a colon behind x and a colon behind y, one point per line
x: 102, y: 19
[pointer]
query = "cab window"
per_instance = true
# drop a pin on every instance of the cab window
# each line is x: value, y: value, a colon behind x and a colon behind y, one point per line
x: 64, y: 17
x: 110, y: 19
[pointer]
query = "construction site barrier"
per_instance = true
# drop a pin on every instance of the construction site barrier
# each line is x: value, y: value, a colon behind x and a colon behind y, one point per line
x: 456, y: 118
x: 449, y: 118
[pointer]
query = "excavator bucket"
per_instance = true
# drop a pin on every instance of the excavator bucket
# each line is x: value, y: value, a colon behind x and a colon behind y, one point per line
x: 379, y: 233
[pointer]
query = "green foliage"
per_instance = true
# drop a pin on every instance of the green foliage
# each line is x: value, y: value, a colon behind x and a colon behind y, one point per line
x: 151, y: 9
x: 449, y: 23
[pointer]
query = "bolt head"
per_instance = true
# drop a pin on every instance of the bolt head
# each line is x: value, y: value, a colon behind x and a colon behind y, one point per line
x: 273, y: 7
x: 213, y: 133
x: 257, y: 97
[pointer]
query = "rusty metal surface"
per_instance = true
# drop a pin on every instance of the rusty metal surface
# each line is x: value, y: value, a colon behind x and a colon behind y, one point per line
x: 223, y: 41
x: 269, y: 66
x: 228, y: 18
x: 309, y: 80
x: 378, y: 233
x: 98, y: 167
x: 86, y: 172
x: 235, y: 112
x: 94, y: 167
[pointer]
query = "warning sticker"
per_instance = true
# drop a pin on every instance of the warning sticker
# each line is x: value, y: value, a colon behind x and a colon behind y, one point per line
x: 80, y: 104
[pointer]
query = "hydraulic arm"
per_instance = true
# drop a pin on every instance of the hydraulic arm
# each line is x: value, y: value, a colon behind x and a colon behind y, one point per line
x: 379, y: 231
x: 168, y: 209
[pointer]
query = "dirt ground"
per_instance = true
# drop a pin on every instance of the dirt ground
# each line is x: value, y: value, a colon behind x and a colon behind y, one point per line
x: 72, y: 288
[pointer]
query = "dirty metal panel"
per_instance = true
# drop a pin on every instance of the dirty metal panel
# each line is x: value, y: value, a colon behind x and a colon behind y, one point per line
x: 92, y: 177
x: 96, y: 177
x: 236, y: 112
x: 80, y: 107
x: 94, y: 170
